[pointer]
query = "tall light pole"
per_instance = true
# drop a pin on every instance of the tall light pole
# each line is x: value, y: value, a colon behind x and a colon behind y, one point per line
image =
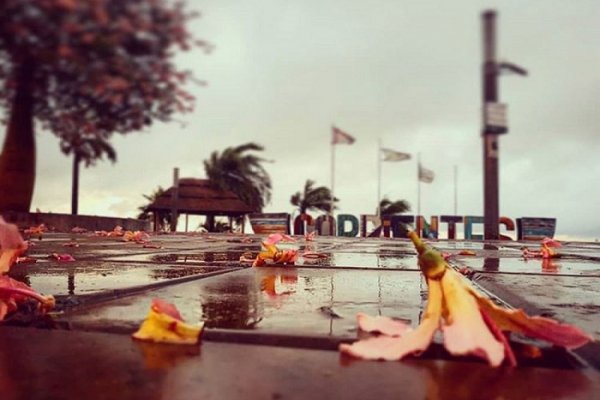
x: 494, y: 123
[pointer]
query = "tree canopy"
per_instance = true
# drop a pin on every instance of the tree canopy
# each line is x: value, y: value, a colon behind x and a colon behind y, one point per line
x: 99, y: 66
x: 164, y: 217
x: 240, y: 170
x: 313, y: 198
x: 388, y: 207
x: 85, y: 69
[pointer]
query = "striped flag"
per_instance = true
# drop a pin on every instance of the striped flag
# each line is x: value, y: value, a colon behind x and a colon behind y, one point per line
x: 392, y: 155
x: 340, y: 137
x: 425, y: 175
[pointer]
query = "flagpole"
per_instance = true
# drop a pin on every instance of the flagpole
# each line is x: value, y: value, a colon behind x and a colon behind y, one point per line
x: 455, y: 190
x: 379, y: 178
x: 332, y: 175
x: 418, y: 184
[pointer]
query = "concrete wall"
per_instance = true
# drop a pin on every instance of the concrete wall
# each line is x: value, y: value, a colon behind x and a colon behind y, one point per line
x: 65, y: 222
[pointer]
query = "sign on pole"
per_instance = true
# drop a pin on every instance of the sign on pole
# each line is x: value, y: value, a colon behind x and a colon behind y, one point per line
x: 494, y: 117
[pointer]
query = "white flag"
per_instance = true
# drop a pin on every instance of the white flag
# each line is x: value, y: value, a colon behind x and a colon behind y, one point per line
x: 392, y: 155
x: 425, y: 175
x: 340, y: 137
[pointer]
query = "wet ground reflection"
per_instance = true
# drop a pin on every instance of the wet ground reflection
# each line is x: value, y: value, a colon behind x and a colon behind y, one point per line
x: 83, y: 277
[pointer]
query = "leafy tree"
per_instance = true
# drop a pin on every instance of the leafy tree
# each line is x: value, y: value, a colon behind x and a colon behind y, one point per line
x: 84, y: 69
x: 388, y: 207
x: 164, y: 217
x: 88, y: 150
x: 238, y: 170
x: 313, y: 198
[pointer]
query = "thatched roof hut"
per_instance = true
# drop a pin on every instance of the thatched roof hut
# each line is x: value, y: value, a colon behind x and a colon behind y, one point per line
x: 200, y: 197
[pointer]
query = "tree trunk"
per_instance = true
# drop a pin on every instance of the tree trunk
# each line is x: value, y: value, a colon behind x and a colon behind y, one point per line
x: 17, y: 161
x: 210, y: 223
x: 75, y: 185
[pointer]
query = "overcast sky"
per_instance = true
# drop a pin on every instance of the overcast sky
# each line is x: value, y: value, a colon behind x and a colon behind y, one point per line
x: 405, y: 72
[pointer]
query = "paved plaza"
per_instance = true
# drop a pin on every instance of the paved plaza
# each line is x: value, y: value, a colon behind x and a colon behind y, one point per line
x: 273, y: 332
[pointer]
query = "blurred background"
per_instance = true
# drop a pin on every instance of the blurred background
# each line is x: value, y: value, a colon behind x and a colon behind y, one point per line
x: 407, y: 73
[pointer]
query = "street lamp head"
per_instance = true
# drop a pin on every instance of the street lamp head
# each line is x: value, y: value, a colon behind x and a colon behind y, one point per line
x: 510, y: 67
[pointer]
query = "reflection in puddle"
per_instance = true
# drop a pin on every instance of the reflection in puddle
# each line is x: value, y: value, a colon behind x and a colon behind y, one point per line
x: 233, y: 304
x: 87, y: 277
x: 207, y: 257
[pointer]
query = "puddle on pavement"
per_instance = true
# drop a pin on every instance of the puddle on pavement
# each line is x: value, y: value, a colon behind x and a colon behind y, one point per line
x: 570, y: 299
x: 184, y: 257
x: 539, y: 266
x: 363, y: 260
x: 82, y: 278
x: 280, y: 300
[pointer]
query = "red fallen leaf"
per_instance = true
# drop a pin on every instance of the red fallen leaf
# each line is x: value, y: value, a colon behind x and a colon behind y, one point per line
x: 161, y: 306
x: 547, y: 329
x: 12, y: 245
x: 499, y: 335
x: 381, y: 324
x: 13, y: 292
x: 62, y: 257
x: 466, y: 253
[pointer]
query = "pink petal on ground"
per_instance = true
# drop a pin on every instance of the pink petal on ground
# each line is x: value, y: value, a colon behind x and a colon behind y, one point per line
x: 381, y: 324
x: 12, y: 292
x: 12, y: 245
x: 62, y: 257
x: 379, y: 348
x: 464, y: 330
x: 161, y: 306
x: 392, y: 348
x: 275, y: 238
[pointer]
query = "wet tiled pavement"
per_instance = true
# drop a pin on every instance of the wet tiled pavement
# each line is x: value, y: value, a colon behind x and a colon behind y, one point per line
x: 268, y: 328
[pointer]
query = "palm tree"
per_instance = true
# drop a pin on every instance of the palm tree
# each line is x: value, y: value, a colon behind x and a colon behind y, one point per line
x: 164, y: 217
x: 242, y: 173
x: 313, y: 198
x: 88, y: 150
x: 388, y: 207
